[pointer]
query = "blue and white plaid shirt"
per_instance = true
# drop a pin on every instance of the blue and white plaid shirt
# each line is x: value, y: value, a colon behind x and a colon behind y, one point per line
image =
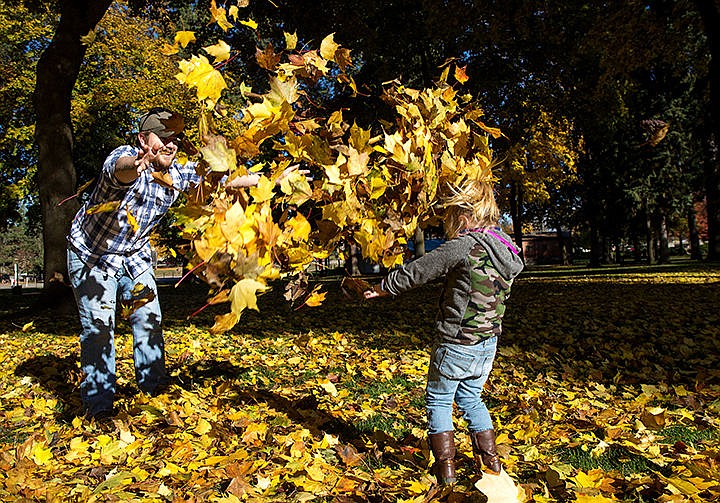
x: 107, y: 240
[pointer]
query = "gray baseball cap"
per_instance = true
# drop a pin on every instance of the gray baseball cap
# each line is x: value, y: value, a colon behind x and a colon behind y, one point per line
x: 161, y: 121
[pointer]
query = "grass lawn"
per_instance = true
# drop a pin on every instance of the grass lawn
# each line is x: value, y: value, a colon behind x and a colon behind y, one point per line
x: 606, y: 387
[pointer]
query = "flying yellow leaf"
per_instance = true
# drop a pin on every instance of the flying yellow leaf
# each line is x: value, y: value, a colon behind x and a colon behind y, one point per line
x: 299, y: 228
x: 244, y: 294
x: 328, y: 47
x: 220, y: 51
x: 224, y: 322
x: 103, y: 207
x: 316, y: 298
x: 163, y: 178
x: 183, y: 38
x: 28, y: 326
x: 199, y: 73
x: 290, y: 41
x: 460, y: 74
x: 218, y: 155
x: 132, y: 221
x: 250, y: 24
x: 263, y: 191
x: 233, y: 12
x: 218, y: 16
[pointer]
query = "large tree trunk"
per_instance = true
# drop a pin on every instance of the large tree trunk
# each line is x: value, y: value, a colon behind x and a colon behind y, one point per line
x: 710, y: 14
x: 516, y: 204
x: 649, y: 242
x: 695, y: 253
x: 663, y: 244
x: 57, y: 71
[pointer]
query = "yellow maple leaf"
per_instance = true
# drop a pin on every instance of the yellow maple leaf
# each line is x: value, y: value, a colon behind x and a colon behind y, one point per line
x: 263, y: 191
x: 316, y: 298
x: 219, y: 16
x: 233, y: 12
x: 328, y: 386
x: 132, y: 221
x: 203, y: 427
x: 460, y: 74
x: 103, y: 207
x: 597, y: 498
x: 316, y: 471
x: 169, y: 50
x: 199, y: 73
x: 250, y: 24
x: 41, y: 455
x: 224, y: 322
x: 218, y: 155
x: 244, y: 294
x: 328, y: 47
x: 500, y: 488
x: 28, y: 326
x: 299, y: 228
x: 290, y: 41
x: 183, y: 38
x: 220, y: 51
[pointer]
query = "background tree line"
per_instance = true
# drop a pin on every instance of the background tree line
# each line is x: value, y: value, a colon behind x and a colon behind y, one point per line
x: 574, y: 87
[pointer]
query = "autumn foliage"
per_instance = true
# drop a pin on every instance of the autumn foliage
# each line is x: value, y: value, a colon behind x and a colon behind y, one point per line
x: 373, y: 186
x: 605, y: 388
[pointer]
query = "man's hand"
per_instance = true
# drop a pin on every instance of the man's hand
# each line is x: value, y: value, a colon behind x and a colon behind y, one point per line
x: 252, y: 179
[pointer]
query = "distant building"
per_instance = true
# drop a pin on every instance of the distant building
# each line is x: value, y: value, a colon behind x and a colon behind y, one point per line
x: 545, y: 248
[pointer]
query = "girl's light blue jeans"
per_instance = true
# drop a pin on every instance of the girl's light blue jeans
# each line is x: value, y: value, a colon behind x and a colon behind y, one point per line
x: 97, y: 293
x: 457, y: 374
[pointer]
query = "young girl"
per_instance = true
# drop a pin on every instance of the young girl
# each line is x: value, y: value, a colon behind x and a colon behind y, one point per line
x: 479, y: 263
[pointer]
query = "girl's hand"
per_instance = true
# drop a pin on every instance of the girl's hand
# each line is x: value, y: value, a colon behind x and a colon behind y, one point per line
x: 376, y: 291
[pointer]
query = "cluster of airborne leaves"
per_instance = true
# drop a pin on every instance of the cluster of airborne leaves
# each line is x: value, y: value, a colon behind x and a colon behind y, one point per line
x: 373, y: 186
x: 601, y: 391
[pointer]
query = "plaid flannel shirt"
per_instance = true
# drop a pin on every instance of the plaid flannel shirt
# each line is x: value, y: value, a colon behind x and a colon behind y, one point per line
x: 107, y: 239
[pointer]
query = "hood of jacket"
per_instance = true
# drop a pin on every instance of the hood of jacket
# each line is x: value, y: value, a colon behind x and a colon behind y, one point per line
x: 502, y: 251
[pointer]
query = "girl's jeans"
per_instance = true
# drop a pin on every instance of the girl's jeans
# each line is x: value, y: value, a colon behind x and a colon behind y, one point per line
x: 97, y: 293
x: 458, y: 373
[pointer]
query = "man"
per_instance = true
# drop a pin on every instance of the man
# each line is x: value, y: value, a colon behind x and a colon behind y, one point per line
x: 109, y: 255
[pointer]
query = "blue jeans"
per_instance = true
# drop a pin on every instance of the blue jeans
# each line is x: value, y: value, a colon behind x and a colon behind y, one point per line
x: 457, y: 374
x: 97, y: 293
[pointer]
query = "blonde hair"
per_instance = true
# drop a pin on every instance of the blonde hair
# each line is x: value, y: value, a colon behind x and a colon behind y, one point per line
x: 470, y: 205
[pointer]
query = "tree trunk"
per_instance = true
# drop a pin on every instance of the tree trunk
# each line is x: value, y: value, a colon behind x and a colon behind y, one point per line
x: 662, y: 234
x: 57, y: 71
x: 516, y: 203
x: 595, y: 244
x: 564, y: 246
x: 695, y: 253
x: 710, y: 14
x: 649, y: 244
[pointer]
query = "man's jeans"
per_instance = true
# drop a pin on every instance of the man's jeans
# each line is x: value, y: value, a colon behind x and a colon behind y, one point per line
x: 97, y: 294
x: 458, y: 373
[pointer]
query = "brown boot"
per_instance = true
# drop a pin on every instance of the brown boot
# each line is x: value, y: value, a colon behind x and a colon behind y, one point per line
x: 483, y: 443
x: 443, y: 448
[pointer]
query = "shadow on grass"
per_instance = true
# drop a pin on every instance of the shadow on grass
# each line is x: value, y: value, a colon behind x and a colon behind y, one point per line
x: 304, y: 410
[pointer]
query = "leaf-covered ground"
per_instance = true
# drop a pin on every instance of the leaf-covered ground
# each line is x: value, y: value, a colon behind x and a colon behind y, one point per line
x: 606, y: 388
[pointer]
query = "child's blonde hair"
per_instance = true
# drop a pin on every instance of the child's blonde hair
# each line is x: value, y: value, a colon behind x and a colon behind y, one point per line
x: 470, y: 205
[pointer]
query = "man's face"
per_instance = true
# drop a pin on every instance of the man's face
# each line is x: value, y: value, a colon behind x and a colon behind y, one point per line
x: 163, y: 150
